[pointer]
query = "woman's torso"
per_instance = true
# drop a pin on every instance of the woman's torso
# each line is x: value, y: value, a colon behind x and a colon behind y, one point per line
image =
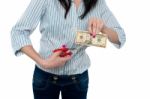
x: 56, y: 31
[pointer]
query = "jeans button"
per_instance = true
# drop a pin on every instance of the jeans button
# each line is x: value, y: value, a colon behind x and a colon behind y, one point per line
x: 74, y: 79
x: 55, y: 78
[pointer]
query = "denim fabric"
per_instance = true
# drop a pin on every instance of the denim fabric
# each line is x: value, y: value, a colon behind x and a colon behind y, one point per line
x: 48, y: 86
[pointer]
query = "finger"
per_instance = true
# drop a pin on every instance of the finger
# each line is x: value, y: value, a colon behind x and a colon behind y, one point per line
x: 58, y: 53
x: 94, y: 26
x: 64, y: 54
x: 90, y: 27
x: 98, y: 26
x: 56, y: 50
x: 66, y: 58
x: 68, y: 51
x: 101, y: 26
x: 94, y: 29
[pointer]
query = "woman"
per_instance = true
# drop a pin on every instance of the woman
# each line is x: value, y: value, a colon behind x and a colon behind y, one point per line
x: 59, y: 20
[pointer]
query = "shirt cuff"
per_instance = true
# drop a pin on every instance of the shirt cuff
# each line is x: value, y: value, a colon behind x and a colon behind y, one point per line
x: 18, y: 42
x: 121, y: 37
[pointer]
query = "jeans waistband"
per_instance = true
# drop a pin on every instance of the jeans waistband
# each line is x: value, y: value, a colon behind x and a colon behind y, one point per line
x: 47, y: 74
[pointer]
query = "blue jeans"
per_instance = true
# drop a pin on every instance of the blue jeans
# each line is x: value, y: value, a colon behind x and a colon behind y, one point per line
x: 48, y: 86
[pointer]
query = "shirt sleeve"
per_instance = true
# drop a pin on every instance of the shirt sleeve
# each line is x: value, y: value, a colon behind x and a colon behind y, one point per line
x: 26, y: 25
x: 111, y: 22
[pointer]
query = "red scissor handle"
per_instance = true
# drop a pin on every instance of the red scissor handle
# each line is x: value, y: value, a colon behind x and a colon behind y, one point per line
x: 64, y: 50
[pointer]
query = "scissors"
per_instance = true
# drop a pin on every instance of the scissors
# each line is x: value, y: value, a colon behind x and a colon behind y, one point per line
x: 64, y: 50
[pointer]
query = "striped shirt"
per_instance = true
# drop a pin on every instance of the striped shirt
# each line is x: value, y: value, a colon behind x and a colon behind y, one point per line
x: 56, y: 30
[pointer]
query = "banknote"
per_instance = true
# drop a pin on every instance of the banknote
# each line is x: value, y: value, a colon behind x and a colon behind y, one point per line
x: 84, y: 38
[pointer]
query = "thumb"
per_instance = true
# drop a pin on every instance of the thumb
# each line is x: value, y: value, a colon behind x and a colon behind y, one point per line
x: 57, y: 53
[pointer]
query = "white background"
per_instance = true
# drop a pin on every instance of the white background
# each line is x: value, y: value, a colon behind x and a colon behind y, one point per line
x: 114, y: 74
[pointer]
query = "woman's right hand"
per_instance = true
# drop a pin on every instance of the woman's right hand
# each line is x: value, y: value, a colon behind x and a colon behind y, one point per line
x: 55, y: 60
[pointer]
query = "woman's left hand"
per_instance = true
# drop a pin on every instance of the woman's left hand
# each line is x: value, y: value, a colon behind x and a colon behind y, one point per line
x: 95, y: 25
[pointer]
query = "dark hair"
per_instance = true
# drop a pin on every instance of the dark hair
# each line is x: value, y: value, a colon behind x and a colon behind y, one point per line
x: 88, y: 4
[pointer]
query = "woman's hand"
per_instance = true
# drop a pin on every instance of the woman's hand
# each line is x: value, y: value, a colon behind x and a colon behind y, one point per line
x: 55, y: 60
x: 95, y: 25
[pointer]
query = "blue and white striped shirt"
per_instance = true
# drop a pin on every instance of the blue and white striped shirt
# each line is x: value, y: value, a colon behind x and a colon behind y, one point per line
x: 56, y: 31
